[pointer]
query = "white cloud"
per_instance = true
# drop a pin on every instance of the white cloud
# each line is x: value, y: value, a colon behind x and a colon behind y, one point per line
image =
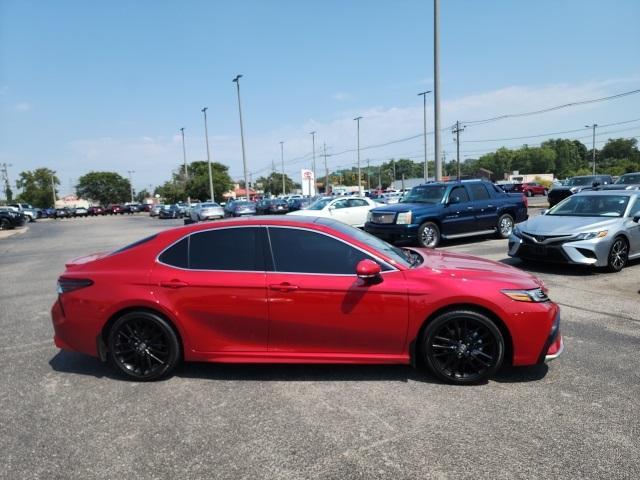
x: 341, y: 96
x: 22, y: 107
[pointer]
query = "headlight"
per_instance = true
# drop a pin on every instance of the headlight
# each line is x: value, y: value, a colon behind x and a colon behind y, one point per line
x: 574, y: 189
x: 590, y: 235
x: 369, y: 216
x: 403, y: 218
x: 535, y: 295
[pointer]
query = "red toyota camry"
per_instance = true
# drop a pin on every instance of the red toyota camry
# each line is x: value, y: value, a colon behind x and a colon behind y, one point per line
x: 300, y: 290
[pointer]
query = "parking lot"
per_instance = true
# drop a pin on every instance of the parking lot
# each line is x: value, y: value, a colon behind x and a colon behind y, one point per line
x: 65, y: 415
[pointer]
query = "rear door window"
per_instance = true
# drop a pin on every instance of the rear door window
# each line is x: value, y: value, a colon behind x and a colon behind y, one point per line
x: 479, y: 191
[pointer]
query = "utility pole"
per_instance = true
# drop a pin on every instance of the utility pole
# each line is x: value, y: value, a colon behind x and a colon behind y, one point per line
x: 5, y: 179
x: 244, y: 158
x: 357, y: 119
x: 313, y: 167
x: 436, y: 86
x: 456, y: 130
x: 380, y: 177
x: 326, y: 170
x: 184, y: 157
x: 444, y: 161
x: 53, y: 191
x: 424, y: 129
x: 368, y: 177
x: 130, y: 172
x: 206, y: 137
x: 282, y: 159
x: 593, y: 148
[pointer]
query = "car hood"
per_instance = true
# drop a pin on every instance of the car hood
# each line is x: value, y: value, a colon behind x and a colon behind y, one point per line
x: 404, y: 207
x: 559, y: 225
x: 467, y: 267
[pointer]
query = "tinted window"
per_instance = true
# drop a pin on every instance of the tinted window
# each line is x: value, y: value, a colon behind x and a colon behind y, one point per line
x: 303, y: 251
x: 635, y: 210
x: 358, y: 202
x: 177, y: 255
x: 131, y: 245
x: 341, y: 204
x: 227, y: 249
x: 478, y: 191
x: 460, y: 193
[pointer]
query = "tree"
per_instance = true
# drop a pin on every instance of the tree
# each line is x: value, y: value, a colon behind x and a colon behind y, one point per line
x: 37, y: 187
x: 197, y: 187
x: 570, y: 155
x: 142, y: 195
x: 273, y: 183
x: 104, y: 187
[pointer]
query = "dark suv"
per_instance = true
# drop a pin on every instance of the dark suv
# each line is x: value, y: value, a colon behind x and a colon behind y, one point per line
x: 575, y: 185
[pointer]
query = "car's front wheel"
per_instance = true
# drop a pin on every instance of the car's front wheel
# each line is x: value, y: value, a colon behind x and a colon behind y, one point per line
x: 143, y: 346
x: 618, y: 255
x: 428, y: 235
x: 505, y: 226
x: 463, y: 347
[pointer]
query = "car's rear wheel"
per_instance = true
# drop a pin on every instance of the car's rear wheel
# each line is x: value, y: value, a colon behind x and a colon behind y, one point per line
x: 505, y: 226
x: 5, y: 224
x: 143, y: 346
x: 618, y: 255
x: 546, y: 192
x: 529, y: 193
x: 463, y: 347
x: 428, y: 235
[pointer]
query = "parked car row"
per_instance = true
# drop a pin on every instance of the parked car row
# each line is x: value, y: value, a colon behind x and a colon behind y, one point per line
x: 11, y: 218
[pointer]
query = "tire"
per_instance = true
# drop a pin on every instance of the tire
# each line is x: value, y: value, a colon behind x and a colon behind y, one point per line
x: 546, y: 192
x: 504, y: 226
x: 143, y: 346
x: 462, y: 347
x: 428, y: 235
x: 5, y: 224
x: 618, y: 255
x: 529, y: 193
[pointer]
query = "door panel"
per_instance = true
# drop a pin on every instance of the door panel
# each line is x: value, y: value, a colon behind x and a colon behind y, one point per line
x: 221, y: 311
x: 337, y: 314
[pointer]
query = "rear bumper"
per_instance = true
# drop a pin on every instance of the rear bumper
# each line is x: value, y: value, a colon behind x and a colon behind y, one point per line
x: 392, y: 232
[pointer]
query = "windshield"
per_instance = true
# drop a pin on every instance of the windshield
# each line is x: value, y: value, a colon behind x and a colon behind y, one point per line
x: 591, y: 206
x: 579, y: 181
x: 425, y: 194
x: 241, y: 204
x: 320, y: 204
x: 629, y: 179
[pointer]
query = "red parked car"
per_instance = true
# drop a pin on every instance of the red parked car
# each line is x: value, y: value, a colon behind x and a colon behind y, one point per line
x: 530, y: 189
x: 300, y: 290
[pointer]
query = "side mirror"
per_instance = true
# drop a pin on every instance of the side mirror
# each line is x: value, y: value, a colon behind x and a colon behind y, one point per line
x: 636, y: 218
x: 595, y: 184
x: 331, y: 208
x: 368, y: 270
x: 544, y: 212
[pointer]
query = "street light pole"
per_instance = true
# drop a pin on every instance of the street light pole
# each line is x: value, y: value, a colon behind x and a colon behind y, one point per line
x: 282, y: 159
x: 244, y: 158
x: 593, y: 148
x: 436, y: 87
x: 131, y: 182
x: 313, y: 167
x: 184, y: 157
x: 357, y: 119
x: 206, y: 137
x: 424, y: 127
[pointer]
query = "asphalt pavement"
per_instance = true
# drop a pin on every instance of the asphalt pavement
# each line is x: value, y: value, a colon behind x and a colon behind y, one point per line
x: 65, y: 415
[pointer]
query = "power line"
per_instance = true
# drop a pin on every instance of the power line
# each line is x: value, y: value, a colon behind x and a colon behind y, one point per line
x: 552, y: 109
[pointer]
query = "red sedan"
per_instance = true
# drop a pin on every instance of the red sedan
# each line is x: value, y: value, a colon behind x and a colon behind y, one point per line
x: 530, y: 189
x: 300, y: 290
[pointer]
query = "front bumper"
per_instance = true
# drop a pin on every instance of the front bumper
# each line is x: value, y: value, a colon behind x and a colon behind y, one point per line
x: 392, y: 232
x: 579, y: 252
x: 554, y: 346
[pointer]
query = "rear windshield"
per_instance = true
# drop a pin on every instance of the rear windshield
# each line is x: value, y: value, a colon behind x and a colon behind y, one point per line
x: 579, y: 181
x: 629, y: 179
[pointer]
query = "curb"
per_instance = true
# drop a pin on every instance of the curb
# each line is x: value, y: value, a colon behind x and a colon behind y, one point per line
x: 11, y: 233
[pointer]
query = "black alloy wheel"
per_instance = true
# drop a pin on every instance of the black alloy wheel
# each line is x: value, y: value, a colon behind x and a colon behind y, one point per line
x: 463, y: 347
x: 618, y: 255
x: 5, y: 224
x: 143, y: 346
x: 505, y: 226
x: 428, y: 235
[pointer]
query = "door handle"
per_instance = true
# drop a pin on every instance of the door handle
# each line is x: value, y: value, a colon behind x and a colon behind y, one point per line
x: 283, y: 287
x: 175, y: 283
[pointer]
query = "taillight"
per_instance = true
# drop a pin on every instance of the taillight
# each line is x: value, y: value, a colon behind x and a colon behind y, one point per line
x: 66, y: 285
x: 525, y: 200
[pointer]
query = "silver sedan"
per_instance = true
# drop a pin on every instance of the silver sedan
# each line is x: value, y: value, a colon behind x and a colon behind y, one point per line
x: 598, y: 228
x: 206, y: 211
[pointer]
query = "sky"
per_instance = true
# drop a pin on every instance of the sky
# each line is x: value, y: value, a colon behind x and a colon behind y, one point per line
x: 107, y: 85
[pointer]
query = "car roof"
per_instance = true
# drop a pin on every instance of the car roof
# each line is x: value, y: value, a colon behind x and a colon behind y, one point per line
x: 628, y: 193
